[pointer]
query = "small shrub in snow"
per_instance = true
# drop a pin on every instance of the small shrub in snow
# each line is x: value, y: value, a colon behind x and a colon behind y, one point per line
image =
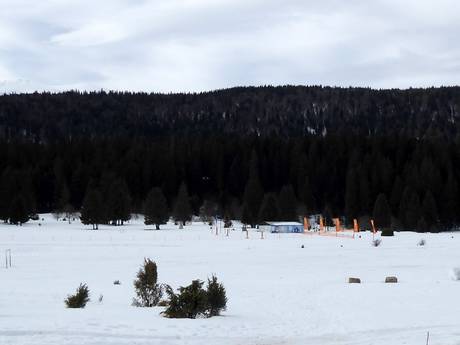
x: 101, y: 297
x: 217, y: 297
x: 193, y: 301
x: 387, y: 232
x: 190, y: 302
x: 376, y: 242
x: 148, y: 291
x: 79, y: 299
x: 455, y: 273
x: 422, y: 242
x: 116, y: 282
x: 354, y: 280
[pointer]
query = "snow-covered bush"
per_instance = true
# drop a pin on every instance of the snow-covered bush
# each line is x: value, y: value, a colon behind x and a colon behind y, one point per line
x: 79, y: 299
x: 148, y: 291
x: 376, y: 242
x: 422, y: 242
x: 455, y: 273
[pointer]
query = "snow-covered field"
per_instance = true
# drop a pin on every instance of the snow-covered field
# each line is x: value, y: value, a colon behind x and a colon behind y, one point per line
x: 279, y: 293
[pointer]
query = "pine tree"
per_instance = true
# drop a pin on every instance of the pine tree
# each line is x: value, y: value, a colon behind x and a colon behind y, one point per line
x: 269, y: 209
x: 6, y: 190
x: 327, y: 216
x: 216, y: 297
x: 208, y: 211
x: 352, y: 206
x: 404, y: 206
x: 92, y: 211
x: 307, y: 197
x: 156, y: 208
x: 396, y: 194
x: 450, y: 200
x: 287, y: 203
x: 253, y: 195
x: 18, y: 211
x: 182, y: 209
x: 382, y: 215
x: 118, y: 202
x: 148, y: 291
x: 364, y: 192
x: 412, y: 215
x: 430, y: 211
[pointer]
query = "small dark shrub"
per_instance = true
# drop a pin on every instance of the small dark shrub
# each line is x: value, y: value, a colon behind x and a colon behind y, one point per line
x: 422, y: 242
x: 148, y: 291
x: 217, y: 297
x: 79, y: 299
x: 190, y: 302
x: 387, y: 232
x: 116, y: 282
x: 376, y: 242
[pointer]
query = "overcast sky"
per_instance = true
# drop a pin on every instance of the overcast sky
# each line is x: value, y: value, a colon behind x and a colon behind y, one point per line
x: 195, y: 45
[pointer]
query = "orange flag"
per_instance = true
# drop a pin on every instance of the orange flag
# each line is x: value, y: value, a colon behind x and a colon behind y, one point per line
x: 306, y: 224
x: 355, y: 225
x: 321, y: 223
x: 337, y: 224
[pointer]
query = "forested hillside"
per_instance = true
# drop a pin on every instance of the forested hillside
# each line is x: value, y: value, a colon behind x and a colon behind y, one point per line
x: 250, y: 153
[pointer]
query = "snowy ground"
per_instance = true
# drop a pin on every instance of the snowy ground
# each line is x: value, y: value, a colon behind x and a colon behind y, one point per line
x: 279, y: 293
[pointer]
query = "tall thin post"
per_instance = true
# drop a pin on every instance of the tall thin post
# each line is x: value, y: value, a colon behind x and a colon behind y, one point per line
x: 427, y: 337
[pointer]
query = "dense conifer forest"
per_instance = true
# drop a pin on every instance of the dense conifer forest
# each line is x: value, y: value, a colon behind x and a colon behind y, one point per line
x: 252, y: 153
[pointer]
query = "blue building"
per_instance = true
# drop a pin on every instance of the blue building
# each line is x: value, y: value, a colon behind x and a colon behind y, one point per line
x: 283, y: 227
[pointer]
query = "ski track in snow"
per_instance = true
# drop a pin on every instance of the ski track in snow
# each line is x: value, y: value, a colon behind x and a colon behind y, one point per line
x: 279, y: 293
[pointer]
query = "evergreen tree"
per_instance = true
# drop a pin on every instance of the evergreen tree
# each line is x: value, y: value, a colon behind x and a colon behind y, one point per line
x: 352, y: 206
x: 364, y: 192
x: 208, y: 211
x: 156, y: 208
x: 253, y: 194
x: 269, y: 209
x: 327, y: 216
x: 396, y: 194
x: 450, y: 200
x: 382, y: 215
x: 287, y: 203
x: 118, y: 201
x: 6, y: 190
x: 92, y: 211
x: 18, y: 211
x: 404, y: 206
x: 307, y: 197
x: 430, y: 211
x: 412, y: 215
x: 216, y: 297
x: 182, y: 209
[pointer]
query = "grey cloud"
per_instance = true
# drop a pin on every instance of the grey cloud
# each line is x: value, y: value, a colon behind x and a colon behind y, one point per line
x: 194, y: 45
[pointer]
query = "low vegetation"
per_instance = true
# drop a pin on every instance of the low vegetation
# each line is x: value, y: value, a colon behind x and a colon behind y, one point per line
x: 193, y: 301
x: 148, y: 291
x: 79, y: 299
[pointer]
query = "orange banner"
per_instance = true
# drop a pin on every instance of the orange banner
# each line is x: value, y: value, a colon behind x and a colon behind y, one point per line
x: 337, y: 225
x: 306, y: 224
x: 355, y: 225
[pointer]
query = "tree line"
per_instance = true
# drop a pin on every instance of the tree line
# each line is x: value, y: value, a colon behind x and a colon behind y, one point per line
x: 252, y: 178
